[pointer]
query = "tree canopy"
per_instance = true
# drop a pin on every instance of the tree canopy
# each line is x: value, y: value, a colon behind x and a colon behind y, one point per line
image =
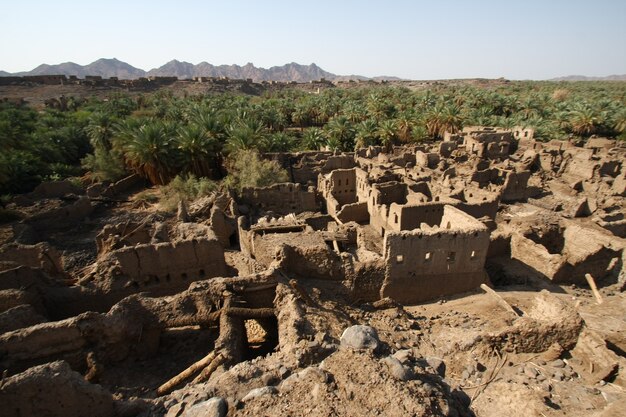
x: 160, y: 136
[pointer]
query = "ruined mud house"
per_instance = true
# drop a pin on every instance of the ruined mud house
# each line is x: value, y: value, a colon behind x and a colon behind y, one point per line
x: 367, y: 277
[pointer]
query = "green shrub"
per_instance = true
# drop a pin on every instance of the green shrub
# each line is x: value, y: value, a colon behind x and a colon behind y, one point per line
x: 184, y: 188
x: 247, y: 169
x: 104, y: 165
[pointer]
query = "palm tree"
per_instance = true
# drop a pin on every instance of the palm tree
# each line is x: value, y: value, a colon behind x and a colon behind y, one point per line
x: 452, y: 120
x: 100, y: 129
x: 366, y: 133
x: 301, y: 117
x: 529, y: 107
x: 583, y: 120
x: 150, y: 153
x: 387, y: 133
x: 341, y: 130
x: 313, y: 138
x: 278, y: 142
x: 354, y: 111
x: 247, y: 133
x: 405, y: 124
x: 197, y: 149
x: 378, y: 107
x: 619, y: 120
x: 434, y: 120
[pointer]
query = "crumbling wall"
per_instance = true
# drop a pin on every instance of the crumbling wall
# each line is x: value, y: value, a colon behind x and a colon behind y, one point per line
x: 341, y: 184
x: 515, y: 186
x: 619, y: 185
x: 487, y: 142
x: 550, y: 320
x: 24, y: 277
x: 412, y: 216
x: 64, y: 216
x: 524, y: 135
x: 355, y: 212
x: 130, y: 327
x: 479, y: 203
x: 41, y: 255
x: 581, y: 163
x: 396, y: 217
x: 513, y: 183
x: 573, y: 258
x: 428, y: 263
x: 223, y: 226
x: 197, y: 255
x: 593, y: 254
x: 367, y: 280
x: 537, y: 256
x: 487, y: 176
x: 281, y: 198
x: 18, y: 317
x: 332, y: 205
x: 118, y: 187
x: 303, y: 254
x: 389, y: 192
x: 54, y: 189
x: 427, y: 159
x: 363, y: 188
x: 446, y: 148
x: 115, y: 236
x: 305, y: 167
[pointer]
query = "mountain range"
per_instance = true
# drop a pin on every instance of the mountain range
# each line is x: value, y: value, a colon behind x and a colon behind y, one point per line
x: 107, y: 68
x: 113, y: 67
x: 585, y: 78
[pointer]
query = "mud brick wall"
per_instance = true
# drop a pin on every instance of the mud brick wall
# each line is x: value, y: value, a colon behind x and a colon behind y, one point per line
x: 64, y: 216
x: 426, y: 264
x: 171, y: 262
x: 281, y: 198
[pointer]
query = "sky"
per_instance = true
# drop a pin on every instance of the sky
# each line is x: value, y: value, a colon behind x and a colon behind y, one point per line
x: 419, y: 39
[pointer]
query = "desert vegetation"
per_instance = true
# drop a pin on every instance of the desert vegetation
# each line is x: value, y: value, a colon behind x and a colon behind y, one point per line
x: 161, y: 136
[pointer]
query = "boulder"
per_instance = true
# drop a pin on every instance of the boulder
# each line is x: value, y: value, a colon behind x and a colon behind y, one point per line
x: 259, y: 392
x: 360, y: 337
x: 214, y: 407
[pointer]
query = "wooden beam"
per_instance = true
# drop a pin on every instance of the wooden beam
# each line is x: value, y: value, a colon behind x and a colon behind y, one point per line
x: 594, y: 288
x: 206, y: 372
x: 169, y: 386
x: 499, y: 299
x: 250, y: 313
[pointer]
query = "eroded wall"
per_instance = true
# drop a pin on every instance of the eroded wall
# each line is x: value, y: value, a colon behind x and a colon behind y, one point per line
x: 433, y: 262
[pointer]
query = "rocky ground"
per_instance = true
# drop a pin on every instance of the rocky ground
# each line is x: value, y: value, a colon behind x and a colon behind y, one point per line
x: 531, y: 348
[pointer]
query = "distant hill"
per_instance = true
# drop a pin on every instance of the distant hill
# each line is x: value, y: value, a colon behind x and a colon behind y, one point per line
x: 103, y: 67
x: 107, y: 68
x: 585, y: 78
x: 288, y: 72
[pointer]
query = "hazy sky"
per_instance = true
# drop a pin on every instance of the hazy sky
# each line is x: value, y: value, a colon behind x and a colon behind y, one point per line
x: 524, y: 39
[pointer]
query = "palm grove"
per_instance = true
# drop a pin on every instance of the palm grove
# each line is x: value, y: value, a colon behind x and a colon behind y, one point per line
x: 160, y: 136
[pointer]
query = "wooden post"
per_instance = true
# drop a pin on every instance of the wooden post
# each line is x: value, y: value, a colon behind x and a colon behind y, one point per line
x: 592, y: 284
x: 336, y: 247
x: 499, y: 299
x: 206, y: 372
x: 250, y: 313
x: 186, y: 374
